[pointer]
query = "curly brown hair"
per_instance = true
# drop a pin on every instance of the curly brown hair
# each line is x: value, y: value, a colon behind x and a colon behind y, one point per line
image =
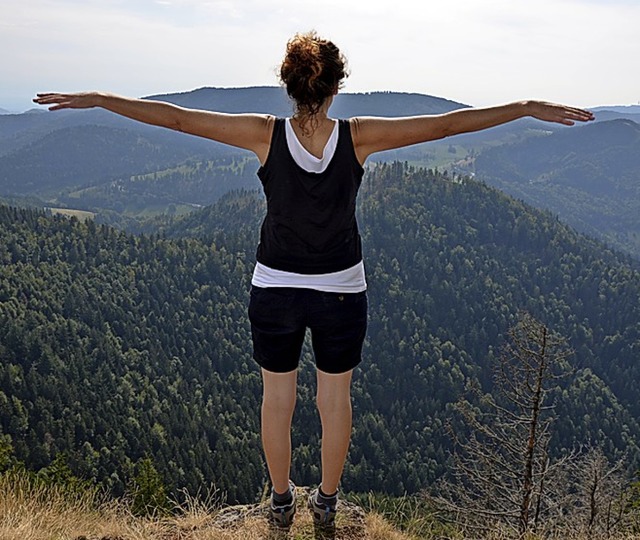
x: 312, y: 70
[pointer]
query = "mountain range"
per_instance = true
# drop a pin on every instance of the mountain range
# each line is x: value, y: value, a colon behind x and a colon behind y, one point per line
x: 122, y: 170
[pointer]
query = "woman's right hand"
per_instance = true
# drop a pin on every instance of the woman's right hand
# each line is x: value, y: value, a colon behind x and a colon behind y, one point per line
x: 57, y: 101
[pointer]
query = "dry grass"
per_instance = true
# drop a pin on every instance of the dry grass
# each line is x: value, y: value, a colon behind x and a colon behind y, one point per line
x: 29, y: 511
x: 32, y: 512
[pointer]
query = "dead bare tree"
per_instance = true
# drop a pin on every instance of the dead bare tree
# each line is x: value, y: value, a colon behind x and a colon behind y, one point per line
x: 502, y: 471
x: 597, y: 495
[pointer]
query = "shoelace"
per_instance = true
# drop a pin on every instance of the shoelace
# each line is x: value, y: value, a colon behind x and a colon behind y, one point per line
x: 327, y: 512
x: 282, y: 511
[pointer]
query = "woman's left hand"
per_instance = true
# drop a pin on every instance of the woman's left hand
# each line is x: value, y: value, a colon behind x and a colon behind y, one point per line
x: 561, y: 114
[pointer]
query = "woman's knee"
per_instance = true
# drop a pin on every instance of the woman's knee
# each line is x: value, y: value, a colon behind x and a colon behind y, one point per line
x: 334, y: 393
x: 279, y: 392
x: 279, y: 403
x: 332, y: 405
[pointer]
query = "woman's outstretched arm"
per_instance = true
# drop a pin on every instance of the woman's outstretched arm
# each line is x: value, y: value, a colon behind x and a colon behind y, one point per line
x: 376, y: 134
x: 249, y: 131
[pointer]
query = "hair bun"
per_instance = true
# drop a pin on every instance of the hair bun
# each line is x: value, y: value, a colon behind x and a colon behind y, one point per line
x: 312, y: 71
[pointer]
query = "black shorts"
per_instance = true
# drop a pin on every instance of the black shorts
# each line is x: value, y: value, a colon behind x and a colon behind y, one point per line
x: 280, y: 316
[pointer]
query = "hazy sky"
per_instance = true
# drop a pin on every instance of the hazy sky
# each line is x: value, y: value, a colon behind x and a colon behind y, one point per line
x: 479, y: 52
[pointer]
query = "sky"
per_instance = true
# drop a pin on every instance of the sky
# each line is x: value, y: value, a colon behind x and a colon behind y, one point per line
x: 478, y: 52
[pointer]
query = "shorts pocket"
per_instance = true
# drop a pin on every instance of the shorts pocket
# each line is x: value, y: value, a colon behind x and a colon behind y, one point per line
x: 344, y: 299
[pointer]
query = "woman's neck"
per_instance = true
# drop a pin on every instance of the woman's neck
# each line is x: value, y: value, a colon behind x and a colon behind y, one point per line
x: 309, y: 123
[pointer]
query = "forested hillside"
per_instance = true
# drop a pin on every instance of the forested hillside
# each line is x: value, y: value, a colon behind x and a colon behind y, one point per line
x: 114, y: 347
x: 589, y: 176
x: 176, y: 189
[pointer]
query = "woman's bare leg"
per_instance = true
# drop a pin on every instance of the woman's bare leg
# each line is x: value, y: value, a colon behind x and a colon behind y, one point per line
x: 278, y: 404
x: 334, y: 405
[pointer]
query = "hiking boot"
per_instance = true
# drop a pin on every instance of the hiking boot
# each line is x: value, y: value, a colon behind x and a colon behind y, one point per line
x: 324, y: 515
x: 282, y: 514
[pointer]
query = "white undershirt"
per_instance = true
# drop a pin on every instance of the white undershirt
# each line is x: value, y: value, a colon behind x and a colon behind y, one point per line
x: 306, y: 159
x: 350, y: 280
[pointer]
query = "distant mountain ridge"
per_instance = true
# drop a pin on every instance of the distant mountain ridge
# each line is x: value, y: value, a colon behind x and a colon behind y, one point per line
x: 625, y: 109
x: 274, y: 100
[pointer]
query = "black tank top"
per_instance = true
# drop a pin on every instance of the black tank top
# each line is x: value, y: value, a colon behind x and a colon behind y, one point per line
x: 310, y: 226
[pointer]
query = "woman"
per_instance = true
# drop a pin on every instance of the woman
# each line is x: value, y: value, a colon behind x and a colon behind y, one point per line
x: 309, y: 271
